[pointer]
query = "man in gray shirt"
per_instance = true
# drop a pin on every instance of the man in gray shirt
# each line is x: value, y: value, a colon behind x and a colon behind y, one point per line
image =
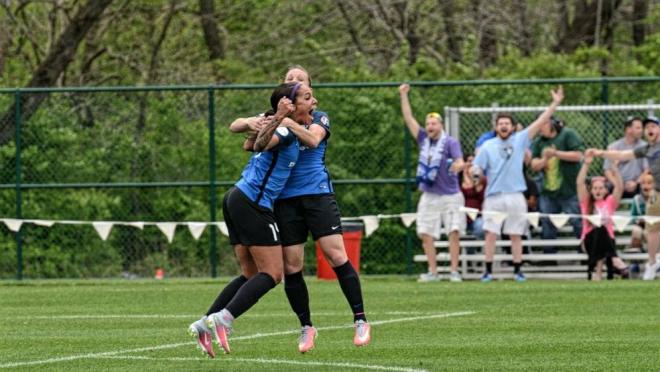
x: 651, y: 152
x: 632, y: 169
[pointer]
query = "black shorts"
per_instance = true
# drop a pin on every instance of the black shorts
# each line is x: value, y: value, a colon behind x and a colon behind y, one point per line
x: 247, y: 222
x: 298, y: 216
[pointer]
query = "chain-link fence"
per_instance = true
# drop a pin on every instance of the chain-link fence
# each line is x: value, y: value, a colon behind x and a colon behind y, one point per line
x: 165, y: 154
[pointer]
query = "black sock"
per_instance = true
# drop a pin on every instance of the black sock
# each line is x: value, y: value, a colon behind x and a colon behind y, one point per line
x: 489, y: 267
x: 516, y: 267
x: 349, y: 281
x: 227, y: 294
x: 296, y: 291
x: 250, y: 293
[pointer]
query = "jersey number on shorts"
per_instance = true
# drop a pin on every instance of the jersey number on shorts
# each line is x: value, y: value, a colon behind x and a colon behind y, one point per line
x: 274, y: 229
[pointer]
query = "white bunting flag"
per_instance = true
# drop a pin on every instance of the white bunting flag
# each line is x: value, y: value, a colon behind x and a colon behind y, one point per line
x: 168, y: 229
x: 408, y: 218
x: 533, y: 218
x: 595, y: 219
x: 651, y: 219
x: 222, y: 226
x: 472, y: 212
x: 139, y: 225
x: 46, y: 223
x: 498, y: 217
x: 196, y: 229
x: 620, y: 222
x: 559, y: 220
x: 103, y: 228
x: 13, y: 224
x: 370, y: 224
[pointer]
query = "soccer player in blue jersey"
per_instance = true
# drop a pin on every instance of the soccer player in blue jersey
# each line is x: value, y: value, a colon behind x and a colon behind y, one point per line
x: 308, y: 204
x: 248, y: 213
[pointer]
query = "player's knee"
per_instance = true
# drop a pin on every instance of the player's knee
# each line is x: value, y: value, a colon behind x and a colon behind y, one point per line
x: 291, y: 267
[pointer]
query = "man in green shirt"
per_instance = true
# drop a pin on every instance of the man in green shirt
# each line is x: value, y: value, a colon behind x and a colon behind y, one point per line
x: 557, y: 153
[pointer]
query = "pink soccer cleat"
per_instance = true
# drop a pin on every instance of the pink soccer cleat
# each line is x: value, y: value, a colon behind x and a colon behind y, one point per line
x: 200, y: 332
x: 362, y: 333
x: 306, y: 340
x: 220, y: 324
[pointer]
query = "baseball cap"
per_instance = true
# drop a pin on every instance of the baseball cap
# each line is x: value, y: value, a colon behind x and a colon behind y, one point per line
x: 651, y: 119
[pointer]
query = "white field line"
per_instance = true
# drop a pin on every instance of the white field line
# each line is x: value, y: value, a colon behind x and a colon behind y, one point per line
x: 226, y: 359
x: 196, y: 316
x: 257, y: 335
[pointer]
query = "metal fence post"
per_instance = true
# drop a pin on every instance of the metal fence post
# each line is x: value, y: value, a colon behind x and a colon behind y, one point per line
x: 19, y: 198
x: 213, y: 248
x: 605, y: 98
x: 406, y: 158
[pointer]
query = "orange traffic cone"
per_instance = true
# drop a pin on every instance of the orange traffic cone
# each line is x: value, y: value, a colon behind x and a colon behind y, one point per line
x: 160, y: 273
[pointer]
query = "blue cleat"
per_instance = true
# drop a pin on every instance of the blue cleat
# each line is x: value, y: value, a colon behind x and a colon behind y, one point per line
x: 520, y: 277
x: 487, y: 277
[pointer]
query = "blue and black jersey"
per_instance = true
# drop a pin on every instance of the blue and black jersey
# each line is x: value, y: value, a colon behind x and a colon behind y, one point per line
x: 267, y: 172
x: 310, y: 176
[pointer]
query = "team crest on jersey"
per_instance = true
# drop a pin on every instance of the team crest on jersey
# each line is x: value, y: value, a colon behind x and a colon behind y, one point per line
x: 324, y: 120
x: 292, y: 164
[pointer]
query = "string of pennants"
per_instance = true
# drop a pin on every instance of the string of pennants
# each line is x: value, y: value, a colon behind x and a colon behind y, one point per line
x: 371, y: 222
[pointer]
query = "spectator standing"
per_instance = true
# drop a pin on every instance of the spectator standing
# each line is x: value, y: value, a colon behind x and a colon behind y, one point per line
x: 502, y: 159
x: 440, y: 160
x: 630, y: 170
x: 557, y: 153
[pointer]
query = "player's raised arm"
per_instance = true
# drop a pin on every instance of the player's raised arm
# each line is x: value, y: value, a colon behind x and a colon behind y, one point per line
x: 265, y: 139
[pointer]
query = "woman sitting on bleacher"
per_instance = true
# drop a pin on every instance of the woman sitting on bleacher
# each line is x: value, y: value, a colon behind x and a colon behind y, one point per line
x: 599, y: 241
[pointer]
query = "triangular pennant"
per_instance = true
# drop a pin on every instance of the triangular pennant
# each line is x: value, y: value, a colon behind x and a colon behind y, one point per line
x: 139, y: 225
x: 472, y: 212
x: 222, y: 226
x: 499, y: 217
x: 533, y: 218
x: 370, y: 224
x: 168, y: 229
x: 559, y: 220
x: 46, y: 223
x: 196, y: 229
x: 595, y: 219
x: 408, y: 218
x: 13, y: 224
x: 103, y: 228
x: 620, y: 222
x: 651, y: 219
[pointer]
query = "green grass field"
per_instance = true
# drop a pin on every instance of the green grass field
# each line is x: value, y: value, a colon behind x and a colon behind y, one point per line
x: 140, y: 325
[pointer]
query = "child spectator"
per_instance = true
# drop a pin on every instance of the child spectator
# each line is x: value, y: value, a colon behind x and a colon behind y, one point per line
x: 598, y: 241
x: 474, y: 196
x: 638, y: 209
